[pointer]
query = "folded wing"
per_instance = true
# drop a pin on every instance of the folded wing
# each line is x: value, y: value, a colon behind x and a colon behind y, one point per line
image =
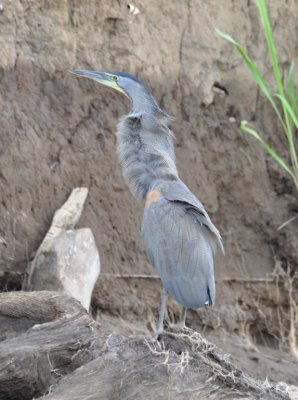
x: 177, y: 239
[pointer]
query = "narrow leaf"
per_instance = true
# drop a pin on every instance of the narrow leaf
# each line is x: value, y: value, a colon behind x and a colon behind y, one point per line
x: 291, y: 89
x: 271, y: 45
x: 267, y: 148
x: 289, y: 109
x: 255, y: 73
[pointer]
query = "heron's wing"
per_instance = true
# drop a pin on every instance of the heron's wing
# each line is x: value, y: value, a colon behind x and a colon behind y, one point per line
x: 178, y: 192
x: 178, y: 247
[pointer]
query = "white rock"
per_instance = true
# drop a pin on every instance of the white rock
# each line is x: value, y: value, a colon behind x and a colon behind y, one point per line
x: 70, y: 263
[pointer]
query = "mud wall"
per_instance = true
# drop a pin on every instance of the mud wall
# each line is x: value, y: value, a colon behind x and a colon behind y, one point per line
x: 57, y: 132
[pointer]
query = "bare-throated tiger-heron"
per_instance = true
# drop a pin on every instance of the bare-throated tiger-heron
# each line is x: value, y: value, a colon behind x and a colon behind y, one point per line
x: 179, y: 237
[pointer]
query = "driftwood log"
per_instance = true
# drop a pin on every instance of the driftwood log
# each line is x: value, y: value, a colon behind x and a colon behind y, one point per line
x: 50, y: 348
x: 44, y: 335
x: 180, y: 366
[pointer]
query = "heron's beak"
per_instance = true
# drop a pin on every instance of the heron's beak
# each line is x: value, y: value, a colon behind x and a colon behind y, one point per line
x: 102, y: 77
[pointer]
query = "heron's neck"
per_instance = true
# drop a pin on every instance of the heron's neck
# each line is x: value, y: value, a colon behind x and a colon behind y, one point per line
x: 146, y: 153
x: 143, y: 101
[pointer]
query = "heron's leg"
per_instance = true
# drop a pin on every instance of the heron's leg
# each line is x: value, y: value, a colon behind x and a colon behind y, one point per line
x: 183, y: 317
x: 162, y: 310
x: 181, y: 323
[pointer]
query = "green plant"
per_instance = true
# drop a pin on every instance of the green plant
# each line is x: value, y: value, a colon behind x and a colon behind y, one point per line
x: 284, y: 102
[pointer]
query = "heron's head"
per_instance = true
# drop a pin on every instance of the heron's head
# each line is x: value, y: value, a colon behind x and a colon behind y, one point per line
x: 124, y: 83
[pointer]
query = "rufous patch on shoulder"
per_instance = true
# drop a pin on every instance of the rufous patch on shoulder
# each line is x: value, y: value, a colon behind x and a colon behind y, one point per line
x: 151, y: 197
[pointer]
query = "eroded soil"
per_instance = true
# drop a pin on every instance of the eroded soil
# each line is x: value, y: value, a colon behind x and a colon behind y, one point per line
x: 57, y: 133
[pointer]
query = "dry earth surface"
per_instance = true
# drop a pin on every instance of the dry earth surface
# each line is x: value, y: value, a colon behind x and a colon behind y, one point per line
x: 57, y: 133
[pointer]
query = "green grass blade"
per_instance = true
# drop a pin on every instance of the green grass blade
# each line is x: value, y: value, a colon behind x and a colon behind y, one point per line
x: 289, y: 109
x: 286, y: 94
x: 251, y: 131
x: 292, y: 118
x: 267, y: 148
x: 255, y: 73
x: 271, y: 45
x: 293, y: 100
x: 274, y: 60
x: 225, y: 36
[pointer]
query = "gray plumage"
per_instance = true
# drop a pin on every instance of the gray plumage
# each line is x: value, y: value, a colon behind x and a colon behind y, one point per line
x: 178, y: 234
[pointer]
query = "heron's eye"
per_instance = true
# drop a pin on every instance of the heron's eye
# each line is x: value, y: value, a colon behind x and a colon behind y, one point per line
x: 115, y: 78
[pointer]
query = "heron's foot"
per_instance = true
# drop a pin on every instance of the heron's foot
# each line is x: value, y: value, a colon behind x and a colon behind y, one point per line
x: 179, y: 328
x: 158, y: 333
x: 181, y: 325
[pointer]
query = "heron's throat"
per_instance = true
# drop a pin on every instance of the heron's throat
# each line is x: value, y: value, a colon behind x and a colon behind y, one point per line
x: 146, y: 155
x: 143, y: 101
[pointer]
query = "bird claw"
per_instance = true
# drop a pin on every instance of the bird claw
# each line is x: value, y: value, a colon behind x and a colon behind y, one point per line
x: 181, y: 325
x: 158, y: 333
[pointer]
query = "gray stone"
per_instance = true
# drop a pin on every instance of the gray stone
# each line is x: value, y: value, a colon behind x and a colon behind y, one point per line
x: 70, y: 263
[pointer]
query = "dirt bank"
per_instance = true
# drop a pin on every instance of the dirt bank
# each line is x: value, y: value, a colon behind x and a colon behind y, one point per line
x: 57, y: 133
